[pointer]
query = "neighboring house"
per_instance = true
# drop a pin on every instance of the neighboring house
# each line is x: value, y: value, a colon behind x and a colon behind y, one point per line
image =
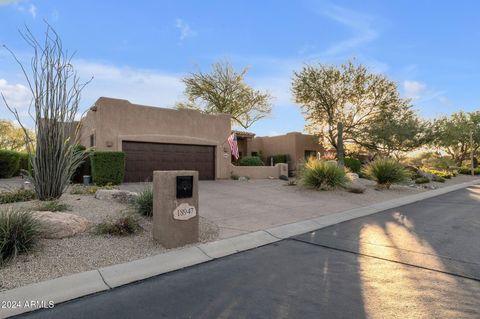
x: 297, y: 146
x: 155, y: 138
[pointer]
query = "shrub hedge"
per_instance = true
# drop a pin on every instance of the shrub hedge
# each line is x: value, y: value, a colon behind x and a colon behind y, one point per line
x: 353, y: 164
x: 107, y: 167
x: 281, y: 158
x: 9, y: 163
x: 250, y: 161
x: 24, y: 164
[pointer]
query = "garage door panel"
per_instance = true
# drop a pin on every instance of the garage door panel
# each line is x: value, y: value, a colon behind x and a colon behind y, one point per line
x: 143, y: 158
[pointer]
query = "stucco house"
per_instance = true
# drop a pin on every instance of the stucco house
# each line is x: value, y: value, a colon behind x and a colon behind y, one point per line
x: 155, y: 138
x: 296, y: 145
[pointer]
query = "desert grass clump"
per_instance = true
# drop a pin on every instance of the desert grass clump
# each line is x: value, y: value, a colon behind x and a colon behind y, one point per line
x: 122, y: 226
x: 143, y: 203
x: 18, y: 195
x: 386, y: 171
x: 19, y: 233
x: 320, y: 174
x: 53, y: 206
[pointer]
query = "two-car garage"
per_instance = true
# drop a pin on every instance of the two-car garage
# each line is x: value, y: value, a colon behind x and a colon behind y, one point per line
x: 142, y: 158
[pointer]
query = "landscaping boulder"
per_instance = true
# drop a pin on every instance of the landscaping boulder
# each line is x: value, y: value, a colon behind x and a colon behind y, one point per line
x: 60, y: 225
x: 428, y: 175
x: 355, y: 187
x: 118, y: 195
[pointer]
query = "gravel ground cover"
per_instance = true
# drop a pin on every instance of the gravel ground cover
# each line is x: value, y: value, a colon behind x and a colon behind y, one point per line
x: 59, y: 257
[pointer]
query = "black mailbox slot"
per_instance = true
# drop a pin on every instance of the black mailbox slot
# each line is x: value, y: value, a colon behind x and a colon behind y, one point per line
x: 184, y: 186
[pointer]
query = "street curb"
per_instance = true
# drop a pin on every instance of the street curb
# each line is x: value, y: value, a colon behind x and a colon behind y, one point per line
x: 56, y: 290
x: 81, y: 284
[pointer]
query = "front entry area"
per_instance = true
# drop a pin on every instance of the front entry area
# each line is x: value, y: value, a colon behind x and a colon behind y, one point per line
x: 142, y: 158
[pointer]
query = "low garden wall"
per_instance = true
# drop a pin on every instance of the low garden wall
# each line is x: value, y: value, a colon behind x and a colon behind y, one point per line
x: 260, y: 172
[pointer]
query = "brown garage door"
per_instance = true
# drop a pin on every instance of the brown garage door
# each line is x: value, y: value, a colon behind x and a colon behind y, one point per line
x: 141, y: 159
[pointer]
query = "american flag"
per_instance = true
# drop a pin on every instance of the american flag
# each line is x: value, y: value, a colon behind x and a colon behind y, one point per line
x: 232, y: 140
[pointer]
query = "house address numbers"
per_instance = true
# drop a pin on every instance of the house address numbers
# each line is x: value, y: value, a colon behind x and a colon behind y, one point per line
x: 184, y: 211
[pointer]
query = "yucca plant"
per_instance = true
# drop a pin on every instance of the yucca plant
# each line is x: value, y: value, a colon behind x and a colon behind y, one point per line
x: 386, y: 171
x: 19, y: 232
x: 143, y: 203
x: 320, y: 174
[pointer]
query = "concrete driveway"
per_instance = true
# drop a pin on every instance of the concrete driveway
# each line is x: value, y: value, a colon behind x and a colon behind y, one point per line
x: 239, y: 207
x: 420, y: 260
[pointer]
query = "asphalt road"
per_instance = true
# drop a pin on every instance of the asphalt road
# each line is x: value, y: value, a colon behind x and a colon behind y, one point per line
x: 417, y: 261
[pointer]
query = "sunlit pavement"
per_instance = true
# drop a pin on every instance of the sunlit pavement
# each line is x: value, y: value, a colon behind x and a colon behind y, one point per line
x: 417, y: 261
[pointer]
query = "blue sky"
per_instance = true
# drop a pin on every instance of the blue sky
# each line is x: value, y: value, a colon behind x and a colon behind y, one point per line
x: 138, y: 50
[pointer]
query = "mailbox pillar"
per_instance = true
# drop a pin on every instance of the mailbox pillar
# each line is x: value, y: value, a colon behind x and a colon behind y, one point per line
x: 175, y: 207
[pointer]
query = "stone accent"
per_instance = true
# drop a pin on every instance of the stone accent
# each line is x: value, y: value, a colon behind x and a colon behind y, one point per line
x: 60, y: 225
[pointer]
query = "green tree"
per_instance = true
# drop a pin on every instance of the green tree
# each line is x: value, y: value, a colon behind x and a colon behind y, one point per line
x: 225, y: 91
x: 351, y: 95
x: 452, y: 134
x: 11, y: 137
x: 393, y: 133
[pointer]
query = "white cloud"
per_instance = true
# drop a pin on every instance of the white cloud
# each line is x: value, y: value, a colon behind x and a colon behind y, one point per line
x: 361, y: 25
x: 141, y: 86
x: 32, y: 10
x: 18, y: 96
x: 185, y: 30
x: 414, y: 89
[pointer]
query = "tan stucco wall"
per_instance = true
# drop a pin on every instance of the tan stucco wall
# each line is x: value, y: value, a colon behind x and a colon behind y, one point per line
x: 260, y: 172
x: 294, y: 144
x: 118, y: 120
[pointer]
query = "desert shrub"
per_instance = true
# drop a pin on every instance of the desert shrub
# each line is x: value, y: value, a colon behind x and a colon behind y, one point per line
x: 422, y: 180
x: 386, y: 171
x: 441, y: 173
x: 83, y: 190
x: 107, y: 167
x: 122, y: 226
x: 281, y: 158
x: 250, y: 161
x: 320, y: 174
x: 9, y: 163
x: 468, y: 171
x: 143, y: 203
x: 353, y: 164
x: 19, y: 232
x: 438, y: 179
x: 53, y: 206
x: 18, y: 195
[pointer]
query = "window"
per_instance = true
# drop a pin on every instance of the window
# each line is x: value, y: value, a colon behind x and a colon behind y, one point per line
x: 309, y: 154
x: 92, y: 140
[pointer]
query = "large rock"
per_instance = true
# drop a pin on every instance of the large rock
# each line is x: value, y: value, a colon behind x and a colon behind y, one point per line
x: 118, y: 195
x: 60, y: 225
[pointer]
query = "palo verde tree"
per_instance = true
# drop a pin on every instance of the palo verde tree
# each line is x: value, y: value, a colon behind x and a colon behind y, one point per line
x: 224, y: 91
x: 348, y: 94
x: 55, y: 89
x: 452, y: 134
